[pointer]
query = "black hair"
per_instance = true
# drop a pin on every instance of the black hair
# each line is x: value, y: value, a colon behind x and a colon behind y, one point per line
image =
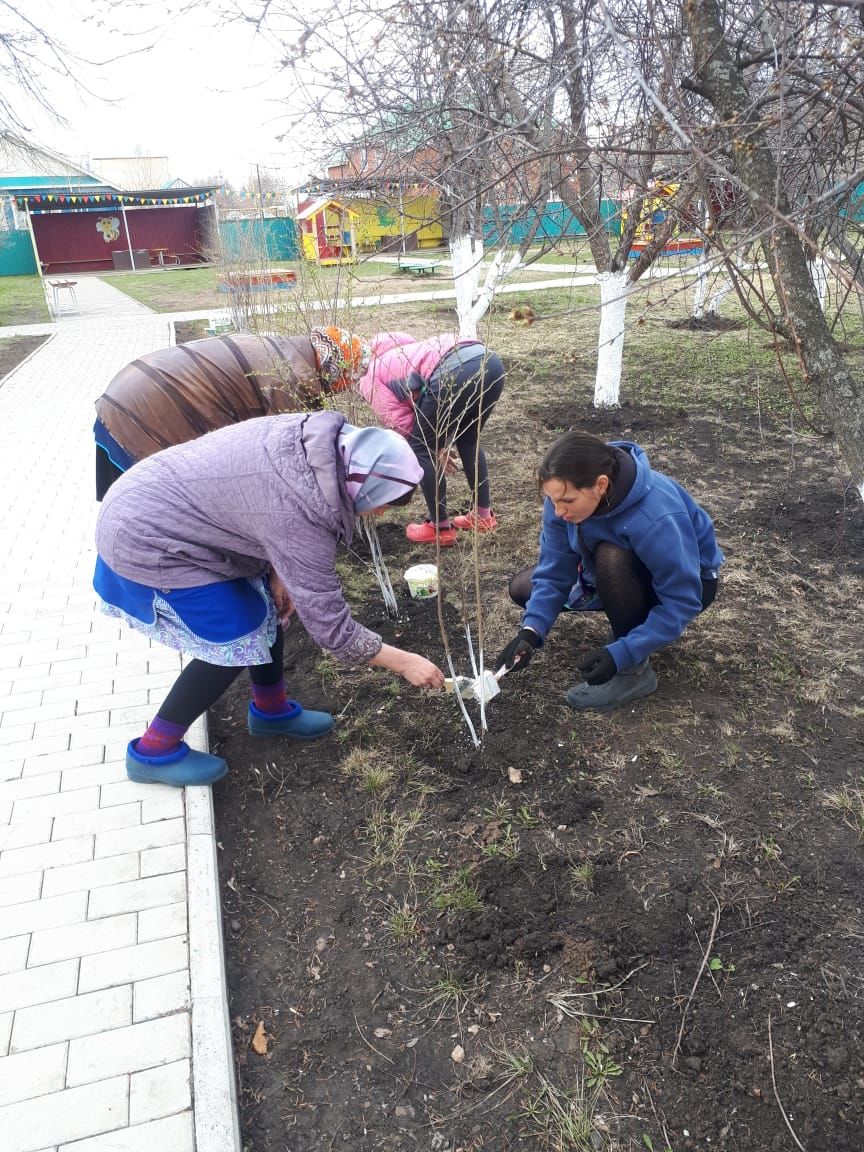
x: 402, y: 500
x: 579, y: 458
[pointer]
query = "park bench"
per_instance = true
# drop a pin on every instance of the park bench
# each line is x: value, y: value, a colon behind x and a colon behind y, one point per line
x: 417, y: 267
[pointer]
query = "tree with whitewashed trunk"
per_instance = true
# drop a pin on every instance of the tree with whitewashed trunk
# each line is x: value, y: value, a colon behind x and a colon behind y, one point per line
x: 407, y: 92
x: 819, y: 275
x: 475, y: 97
x: 790, y: 139
x: 596, y: 130
x: 490, y: 104
x: 740, y: 65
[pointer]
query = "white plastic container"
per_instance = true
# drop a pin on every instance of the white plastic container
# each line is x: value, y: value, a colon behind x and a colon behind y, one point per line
x: 485, y: 687
x: 422, y: 581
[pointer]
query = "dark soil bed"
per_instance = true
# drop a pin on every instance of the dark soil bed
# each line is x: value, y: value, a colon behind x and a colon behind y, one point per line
x: 186, y: 330
x: 607, y: 947
x: 15, y: 349
x: 709, y: 323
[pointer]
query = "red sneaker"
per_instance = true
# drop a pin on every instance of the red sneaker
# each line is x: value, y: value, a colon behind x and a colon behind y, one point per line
x: 426, y: 532
x: 471, y: 522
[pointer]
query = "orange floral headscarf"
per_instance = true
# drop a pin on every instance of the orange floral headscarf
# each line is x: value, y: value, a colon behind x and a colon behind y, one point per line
x: 342, y: 357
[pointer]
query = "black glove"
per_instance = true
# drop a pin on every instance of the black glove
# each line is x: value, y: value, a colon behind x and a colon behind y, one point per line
x: 517, y: 655
x: 709, y: 592
x: 598, y: 666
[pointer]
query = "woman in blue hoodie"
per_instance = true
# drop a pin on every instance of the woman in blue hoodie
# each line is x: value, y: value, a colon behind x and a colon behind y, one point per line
x: 621, y: 539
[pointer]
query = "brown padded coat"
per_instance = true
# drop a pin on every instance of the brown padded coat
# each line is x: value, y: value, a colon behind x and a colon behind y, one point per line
x: 179, y: 393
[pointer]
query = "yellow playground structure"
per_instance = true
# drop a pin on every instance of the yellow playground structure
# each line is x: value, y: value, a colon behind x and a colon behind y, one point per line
x: 655, y: 211
x: 334, y: 231
x: 328, y: 233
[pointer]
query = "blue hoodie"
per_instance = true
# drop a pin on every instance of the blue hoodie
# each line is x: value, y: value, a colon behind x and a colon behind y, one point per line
x: 666, y: 529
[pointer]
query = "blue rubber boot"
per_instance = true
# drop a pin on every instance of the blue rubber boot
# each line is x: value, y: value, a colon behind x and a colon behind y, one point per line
x: 179, y: 769
x: 621, y: 689
x: 298, y: 722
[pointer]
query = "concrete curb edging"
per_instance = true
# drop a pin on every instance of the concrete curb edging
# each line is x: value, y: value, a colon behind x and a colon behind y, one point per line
x: 217, y: 1122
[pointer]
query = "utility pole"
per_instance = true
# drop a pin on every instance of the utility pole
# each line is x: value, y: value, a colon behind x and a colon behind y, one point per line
x: 261, y: 209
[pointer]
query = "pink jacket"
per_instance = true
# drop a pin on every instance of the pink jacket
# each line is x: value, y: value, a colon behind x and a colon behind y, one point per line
x: 400, y: 366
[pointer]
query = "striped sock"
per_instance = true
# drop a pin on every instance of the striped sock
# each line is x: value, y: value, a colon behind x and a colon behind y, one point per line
x: 160, y: 738
x: 270, y: 698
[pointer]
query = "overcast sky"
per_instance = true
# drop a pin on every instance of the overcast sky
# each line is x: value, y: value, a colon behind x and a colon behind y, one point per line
x: 207, y: 94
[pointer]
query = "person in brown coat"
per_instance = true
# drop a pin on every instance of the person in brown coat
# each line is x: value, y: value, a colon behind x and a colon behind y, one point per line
x: 181, y: 392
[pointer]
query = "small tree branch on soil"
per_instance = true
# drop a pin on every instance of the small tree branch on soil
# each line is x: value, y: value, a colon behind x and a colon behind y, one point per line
x: 559, y: 999
x: 372, y: 1047
x: 702, y: 967
x: 776, y: 1093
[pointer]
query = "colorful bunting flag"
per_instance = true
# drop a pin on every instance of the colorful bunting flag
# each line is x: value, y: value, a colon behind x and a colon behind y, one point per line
x: 115, y: 198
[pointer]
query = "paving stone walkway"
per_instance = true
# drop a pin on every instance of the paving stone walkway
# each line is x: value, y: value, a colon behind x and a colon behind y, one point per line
x: 113, y: 1029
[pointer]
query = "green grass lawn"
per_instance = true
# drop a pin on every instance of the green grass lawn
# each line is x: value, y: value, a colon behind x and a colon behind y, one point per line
x: 567, y: 252
x: 174, y: 290
x: 191, y: 289
x: 22, y: 301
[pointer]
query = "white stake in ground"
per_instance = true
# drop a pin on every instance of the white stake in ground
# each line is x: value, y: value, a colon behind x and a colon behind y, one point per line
x: 380, y: 568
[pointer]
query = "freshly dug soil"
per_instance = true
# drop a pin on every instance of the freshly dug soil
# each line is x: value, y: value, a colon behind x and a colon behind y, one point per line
x: 186, y: 330
x: 708, y: 323
x: 639, y: 930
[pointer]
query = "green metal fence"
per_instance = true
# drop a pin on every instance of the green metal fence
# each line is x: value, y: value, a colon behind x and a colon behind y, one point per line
x: 274, y: 239
x: 16, y: 254
x: 516, y: 221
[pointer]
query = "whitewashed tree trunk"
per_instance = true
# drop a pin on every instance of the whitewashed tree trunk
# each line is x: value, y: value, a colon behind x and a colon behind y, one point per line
x: 717, y: 298
x: 713, y: 305
x: 466, y: 278
x: 721, y: 81
x: 614, y: 292
x: 819, y: 276
x: 501, y: 267
x: 700, y: 292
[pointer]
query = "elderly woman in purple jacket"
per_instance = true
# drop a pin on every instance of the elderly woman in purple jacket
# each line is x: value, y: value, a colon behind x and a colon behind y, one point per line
x: 208, y: 547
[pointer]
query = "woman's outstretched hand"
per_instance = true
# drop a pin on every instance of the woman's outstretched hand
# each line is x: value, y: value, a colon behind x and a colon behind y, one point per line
x: 422, y: 673
x: 417, y: 670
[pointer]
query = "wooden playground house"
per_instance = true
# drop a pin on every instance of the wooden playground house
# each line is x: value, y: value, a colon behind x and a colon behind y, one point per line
x: 384, y: 217
x: 328, y: 232
x: 655, y: 212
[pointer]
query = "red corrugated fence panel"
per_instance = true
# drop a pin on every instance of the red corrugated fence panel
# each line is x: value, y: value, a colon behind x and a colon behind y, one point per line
x: 84, y: 241
x: 173, y: 228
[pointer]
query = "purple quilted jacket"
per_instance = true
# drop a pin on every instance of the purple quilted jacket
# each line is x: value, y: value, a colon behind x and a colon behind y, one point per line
x: 269, y: 491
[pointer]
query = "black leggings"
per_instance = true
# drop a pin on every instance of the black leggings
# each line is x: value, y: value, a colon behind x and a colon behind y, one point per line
x: 200, y: 684
x: 106, y: 472
x: 465, y: 403
x: 623, y: 584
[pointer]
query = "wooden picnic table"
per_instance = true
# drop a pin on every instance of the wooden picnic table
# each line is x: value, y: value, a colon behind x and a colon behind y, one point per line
x: 164, y: 256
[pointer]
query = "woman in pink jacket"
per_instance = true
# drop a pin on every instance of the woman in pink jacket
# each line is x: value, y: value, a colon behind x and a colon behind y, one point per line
x: 438, y: 393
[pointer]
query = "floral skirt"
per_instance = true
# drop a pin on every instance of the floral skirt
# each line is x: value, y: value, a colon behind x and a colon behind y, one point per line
x: 232, y: 623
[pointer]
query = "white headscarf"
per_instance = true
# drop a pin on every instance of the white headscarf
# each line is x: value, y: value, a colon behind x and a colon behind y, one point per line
x: 379, y: 466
